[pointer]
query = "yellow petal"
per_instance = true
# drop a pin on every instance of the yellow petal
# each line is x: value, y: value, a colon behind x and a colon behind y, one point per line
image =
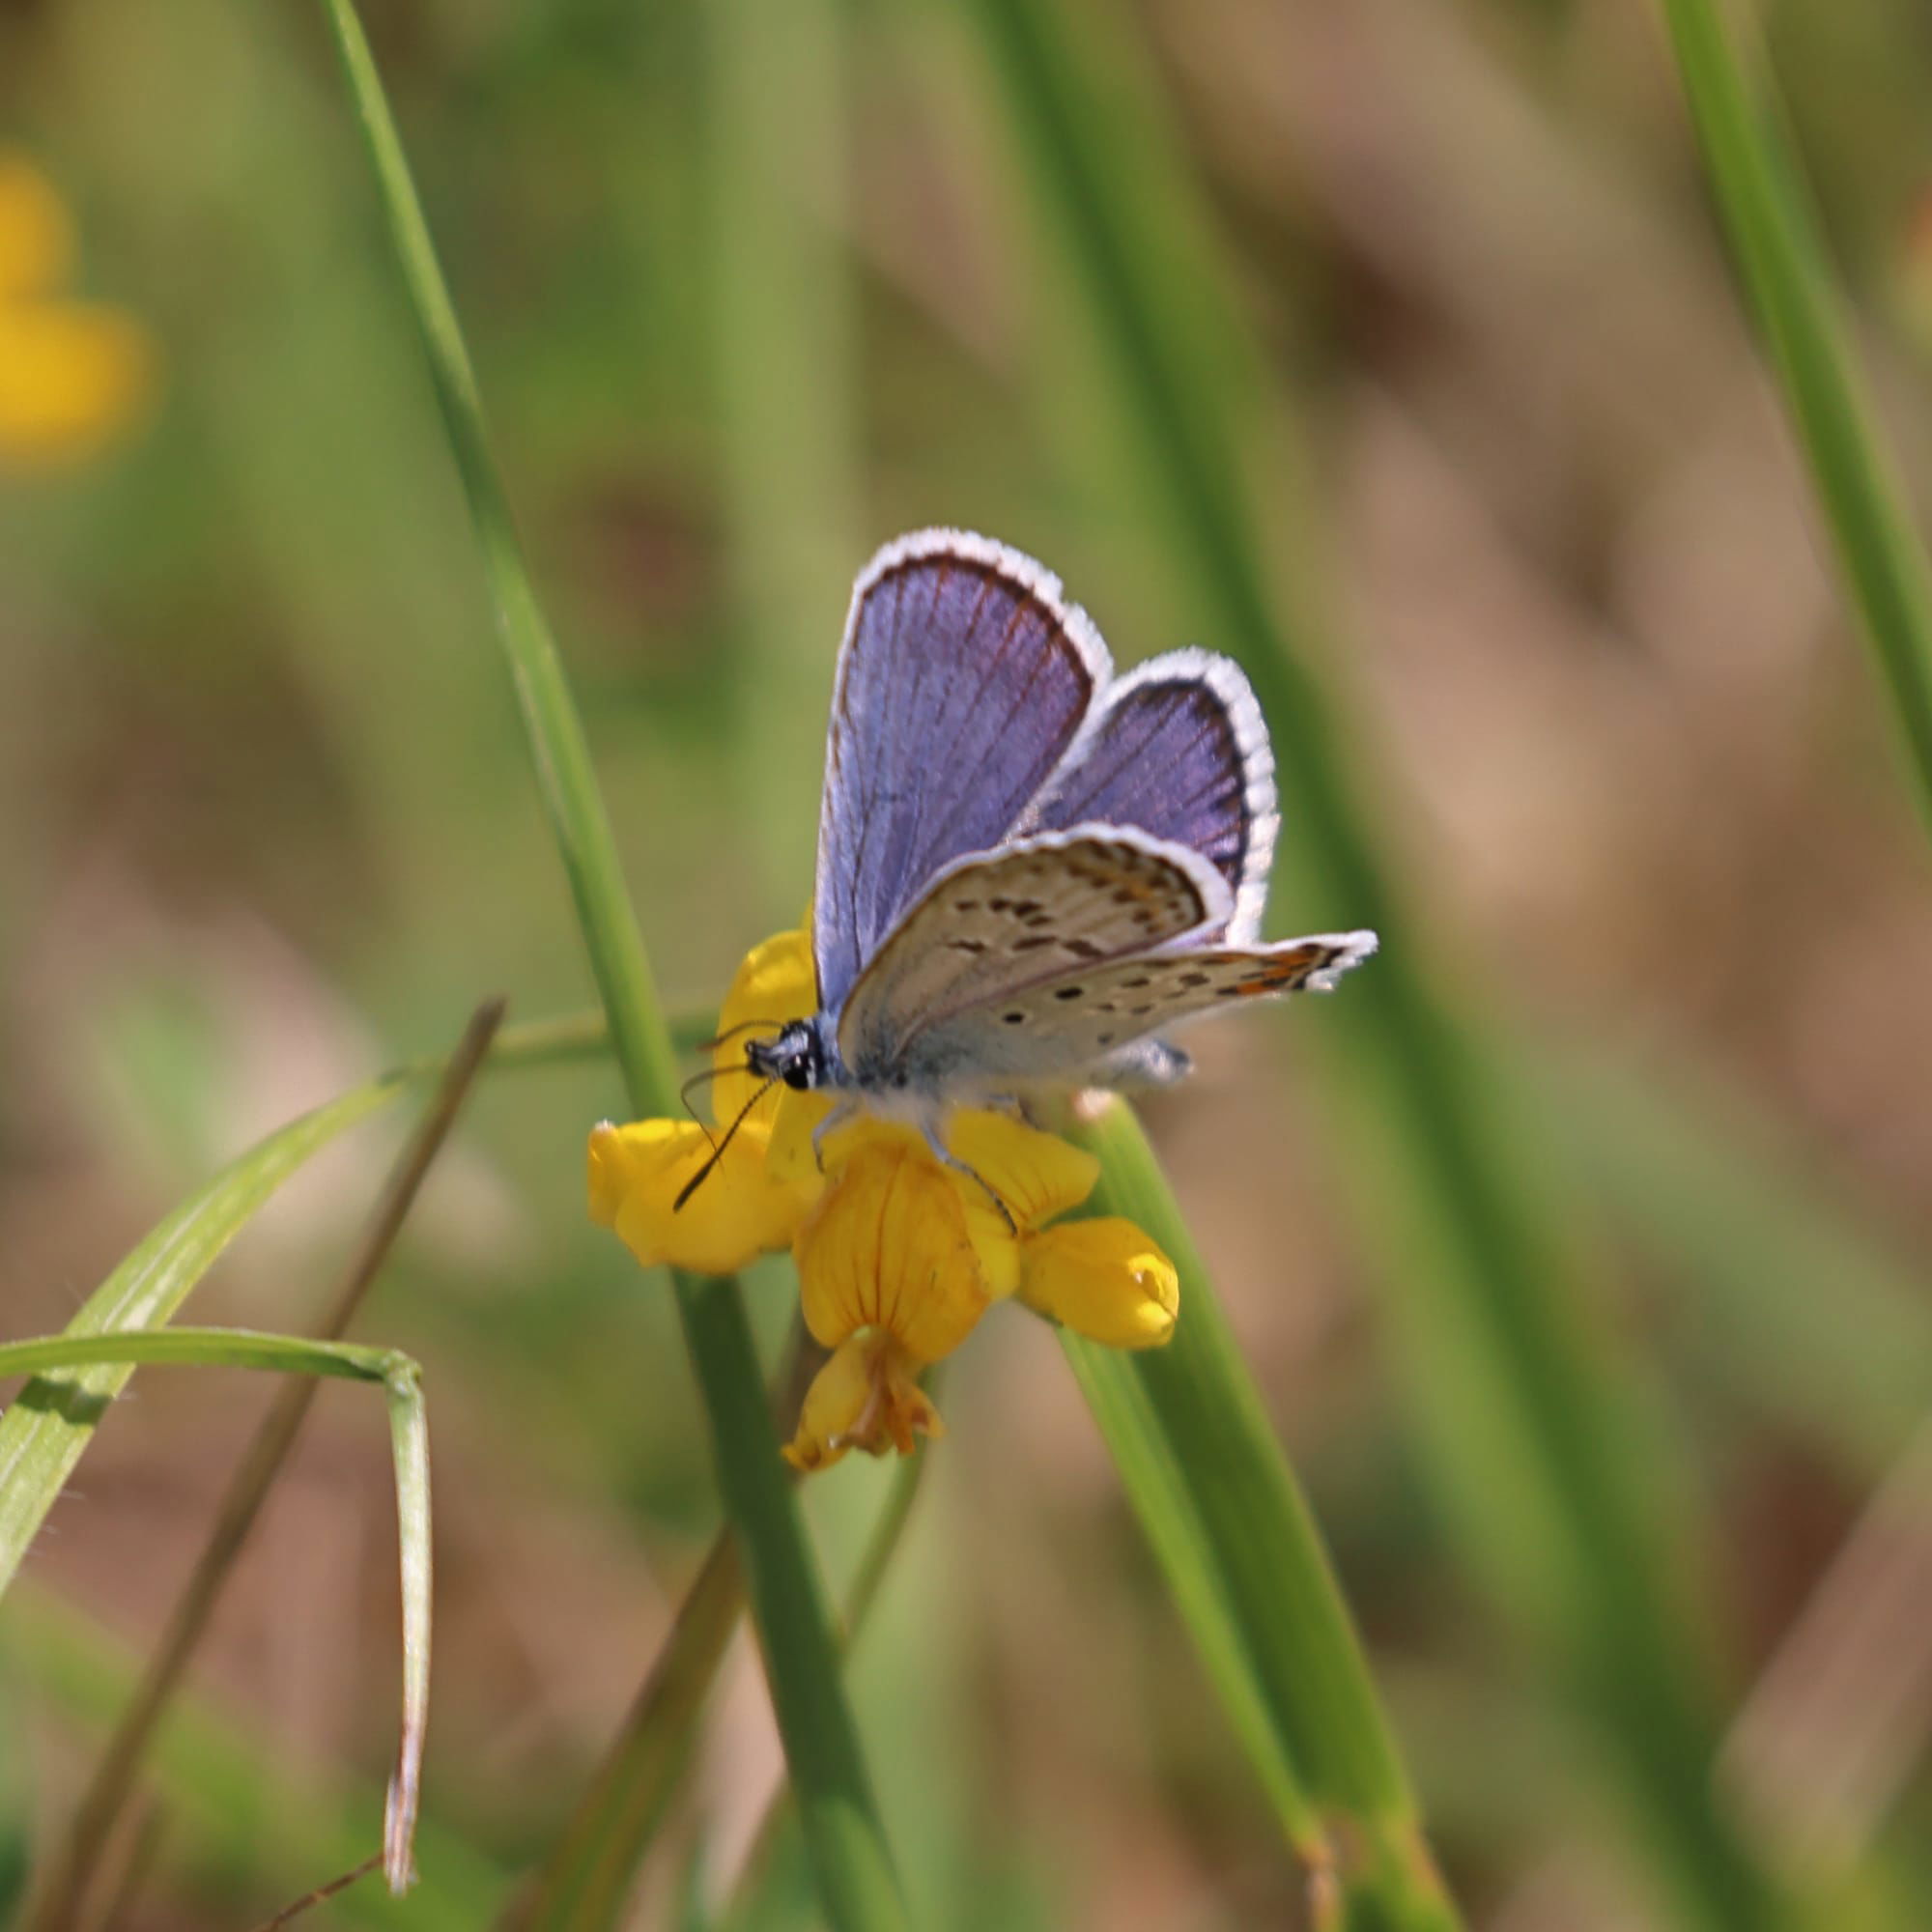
x: 888, y: 1247
x: 866, y: 1397
x: 36, y: 236
x: 1105, y: 1279
x: 72, y: 375
x: 1037, y: 1175
x: 776, y: 983
x: 637, y: 1172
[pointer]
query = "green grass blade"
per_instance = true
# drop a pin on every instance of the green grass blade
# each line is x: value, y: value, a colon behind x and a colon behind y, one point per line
x: 1246, y: 1565
x: 1530, y: 1439
x: 1784, y: 266
x: 850, y: 1860
x: 205, y: 1347
x: 296, y: 1354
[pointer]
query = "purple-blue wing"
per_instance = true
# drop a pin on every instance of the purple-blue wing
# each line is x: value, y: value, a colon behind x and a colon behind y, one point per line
x: 964, y: 677
x: 1178, y: 750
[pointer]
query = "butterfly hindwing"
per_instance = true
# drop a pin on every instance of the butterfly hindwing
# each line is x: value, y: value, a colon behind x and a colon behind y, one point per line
x: 1080, y: 1025
x: 1179, y: 749
x: 997, y: 922
x: 964, y: 677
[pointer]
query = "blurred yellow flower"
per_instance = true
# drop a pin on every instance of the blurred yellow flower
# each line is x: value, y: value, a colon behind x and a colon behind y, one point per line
x: 899, y: 1256
x: 72, y: 374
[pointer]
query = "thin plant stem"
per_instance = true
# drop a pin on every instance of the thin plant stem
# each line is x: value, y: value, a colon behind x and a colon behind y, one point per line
x: 144, y: 1850
x: 593, y: 1863
x: 295, y: 1908
x: 851, y: 1862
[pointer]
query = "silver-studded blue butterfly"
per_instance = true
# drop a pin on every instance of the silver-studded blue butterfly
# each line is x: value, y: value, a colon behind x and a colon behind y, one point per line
x: 1028, y: 868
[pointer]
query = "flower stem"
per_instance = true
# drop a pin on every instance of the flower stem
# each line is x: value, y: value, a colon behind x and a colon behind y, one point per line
x: 1246, y: 1563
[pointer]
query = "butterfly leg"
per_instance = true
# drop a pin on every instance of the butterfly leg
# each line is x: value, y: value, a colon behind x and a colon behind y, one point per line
x: 944, y: 1156
x: 842, y: 1114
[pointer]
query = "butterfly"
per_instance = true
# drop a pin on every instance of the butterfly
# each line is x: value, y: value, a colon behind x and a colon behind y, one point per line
x: 1029, y: 869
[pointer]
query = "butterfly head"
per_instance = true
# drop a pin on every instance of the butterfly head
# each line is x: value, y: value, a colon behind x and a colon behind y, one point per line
x: 795, y: 1055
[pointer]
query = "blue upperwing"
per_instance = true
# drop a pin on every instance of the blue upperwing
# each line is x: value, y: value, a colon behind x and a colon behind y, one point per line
x: 1178, y: 750
x: 963, y: 680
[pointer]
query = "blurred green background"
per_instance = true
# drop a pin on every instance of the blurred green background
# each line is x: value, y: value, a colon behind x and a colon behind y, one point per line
x: 750, y: 290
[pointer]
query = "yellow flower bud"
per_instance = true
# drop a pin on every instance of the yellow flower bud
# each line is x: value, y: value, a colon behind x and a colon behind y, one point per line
x: 1105, y: 1280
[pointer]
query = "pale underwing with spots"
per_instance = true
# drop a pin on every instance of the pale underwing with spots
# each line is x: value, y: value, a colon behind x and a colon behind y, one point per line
x: 1028, y: 868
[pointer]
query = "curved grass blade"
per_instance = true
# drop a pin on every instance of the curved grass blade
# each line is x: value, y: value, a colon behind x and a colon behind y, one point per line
x: 1536, y: 1451
x: 47, y: 1429
x: 1782, y: 263
x: 401, y: 1382
x: 1246, y: 1566
x: 851, y: 1862
x: 213, y: 1774
x: 101, y: 1804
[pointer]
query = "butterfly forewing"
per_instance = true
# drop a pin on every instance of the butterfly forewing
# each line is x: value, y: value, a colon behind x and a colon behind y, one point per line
x: 1177, y: 748
x: 963, y: 679
x: 995, y: 923
x: 1068, y: 1027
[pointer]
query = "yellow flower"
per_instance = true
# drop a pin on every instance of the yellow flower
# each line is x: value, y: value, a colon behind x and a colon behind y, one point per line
x: 899, y: 1255
x: 72, y: 374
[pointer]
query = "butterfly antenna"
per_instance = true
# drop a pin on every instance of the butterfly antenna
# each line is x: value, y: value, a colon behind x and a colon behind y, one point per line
x: 699, y: 1079
x: 717, y: 1148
